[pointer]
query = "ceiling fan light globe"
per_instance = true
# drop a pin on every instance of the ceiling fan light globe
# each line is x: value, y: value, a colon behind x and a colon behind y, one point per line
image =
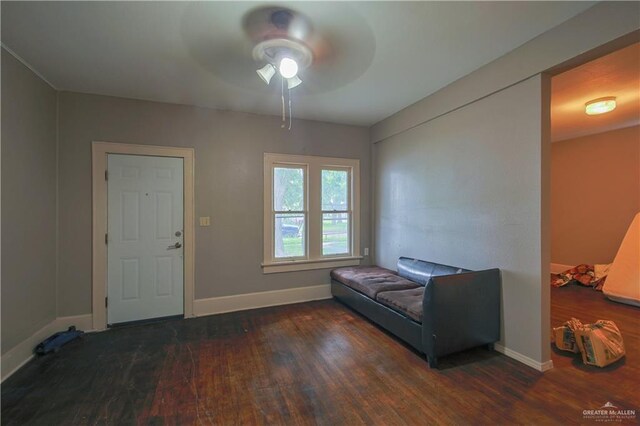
x: 288, y: 68
x: 293, y: 82
x: 266, y: 73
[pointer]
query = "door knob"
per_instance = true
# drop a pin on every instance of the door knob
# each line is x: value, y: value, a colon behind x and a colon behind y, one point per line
x: 174, y: 246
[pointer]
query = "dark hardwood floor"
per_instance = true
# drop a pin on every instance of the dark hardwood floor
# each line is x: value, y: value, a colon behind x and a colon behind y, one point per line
x: 312, y: 363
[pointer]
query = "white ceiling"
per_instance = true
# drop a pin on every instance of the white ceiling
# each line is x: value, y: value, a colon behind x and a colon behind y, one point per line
x: 386, y: 55
x: 616, y: 74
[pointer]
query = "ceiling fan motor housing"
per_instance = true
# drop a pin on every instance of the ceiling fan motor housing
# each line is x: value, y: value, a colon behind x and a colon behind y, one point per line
x: 273, y: 50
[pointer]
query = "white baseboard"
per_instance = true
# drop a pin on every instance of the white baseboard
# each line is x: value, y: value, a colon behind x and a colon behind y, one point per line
x: 556, y: 268
x: 82, y: 322
x: 540, y: 366
x: 22, y: 353
x: 242, y: 302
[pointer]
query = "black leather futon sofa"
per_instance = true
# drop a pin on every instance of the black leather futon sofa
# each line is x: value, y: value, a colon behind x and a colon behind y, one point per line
x: 437, y: 309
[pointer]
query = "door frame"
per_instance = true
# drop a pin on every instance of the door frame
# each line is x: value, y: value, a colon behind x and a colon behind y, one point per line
x: 99, y: 152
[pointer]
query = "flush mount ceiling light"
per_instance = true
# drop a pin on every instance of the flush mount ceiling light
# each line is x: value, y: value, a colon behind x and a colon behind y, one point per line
x: 600, y: 105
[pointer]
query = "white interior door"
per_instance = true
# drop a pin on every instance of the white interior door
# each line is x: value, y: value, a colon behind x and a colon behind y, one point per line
x: 145, y: 237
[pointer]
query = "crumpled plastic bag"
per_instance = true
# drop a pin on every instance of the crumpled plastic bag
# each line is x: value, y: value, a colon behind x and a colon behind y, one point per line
x: 600, y: 343
x: 564, y: 335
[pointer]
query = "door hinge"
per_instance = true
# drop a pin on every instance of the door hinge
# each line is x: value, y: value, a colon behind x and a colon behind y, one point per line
x: 106, y: 175
x: 106, y: 302
x: 106, y: 238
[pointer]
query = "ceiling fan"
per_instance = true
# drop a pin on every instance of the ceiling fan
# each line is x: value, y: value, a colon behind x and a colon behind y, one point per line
x: 284, y: 39
x: 285, y: 42
x: 331, y: 46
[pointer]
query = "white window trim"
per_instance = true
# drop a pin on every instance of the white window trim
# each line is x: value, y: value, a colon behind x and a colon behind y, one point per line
x: 313, y: 182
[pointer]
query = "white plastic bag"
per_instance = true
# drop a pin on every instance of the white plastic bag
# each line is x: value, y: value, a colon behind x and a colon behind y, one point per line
x: 600, y: 344
x: 564, y: 335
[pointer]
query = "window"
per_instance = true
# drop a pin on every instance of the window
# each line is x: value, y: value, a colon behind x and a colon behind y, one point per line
x: 336, y: 212
x: 289, y: 212
x: 311, y: 209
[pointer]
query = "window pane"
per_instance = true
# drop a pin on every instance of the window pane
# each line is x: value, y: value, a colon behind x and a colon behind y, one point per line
x: 335, y: 190
x: 289, y: 235
x: 335, y: 233
x: 288, y: 189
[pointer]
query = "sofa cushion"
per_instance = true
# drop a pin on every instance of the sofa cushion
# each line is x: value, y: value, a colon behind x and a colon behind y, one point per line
x: 406, y: 302
x: 370, y: 280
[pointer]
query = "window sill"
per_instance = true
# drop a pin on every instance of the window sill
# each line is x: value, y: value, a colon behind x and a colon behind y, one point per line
x: 306, y: 264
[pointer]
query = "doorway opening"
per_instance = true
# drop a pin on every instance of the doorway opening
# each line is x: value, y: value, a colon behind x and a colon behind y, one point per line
x: 595, y: 195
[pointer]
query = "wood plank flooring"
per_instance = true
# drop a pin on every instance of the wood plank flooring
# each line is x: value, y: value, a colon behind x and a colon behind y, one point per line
x: 311, y: 363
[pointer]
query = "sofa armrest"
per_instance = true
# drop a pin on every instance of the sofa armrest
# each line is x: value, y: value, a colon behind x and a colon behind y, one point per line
x: 461, y: 311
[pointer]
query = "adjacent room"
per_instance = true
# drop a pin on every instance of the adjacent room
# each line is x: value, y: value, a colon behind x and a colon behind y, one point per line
x: 320, y: 212
x: 595, y: 193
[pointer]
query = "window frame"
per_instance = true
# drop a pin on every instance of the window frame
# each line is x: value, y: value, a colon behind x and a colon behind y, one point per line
x: 314, y: 259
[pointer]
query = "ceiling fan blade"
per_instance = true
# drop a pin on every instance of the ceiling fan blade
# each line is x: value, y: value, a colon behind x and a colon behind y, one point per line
x: 276, y: 22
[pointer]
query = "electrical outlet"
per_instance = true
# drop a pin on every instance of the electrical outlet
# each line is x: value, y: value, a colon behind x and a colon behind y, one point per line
x: 366, y: 251
x: 205, y: 221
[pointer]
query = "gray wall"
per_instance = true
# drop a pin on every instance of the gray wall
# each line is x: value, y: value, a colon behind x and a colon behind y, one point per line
x: 464, y: 190
x: 28, y: 202
x: 229, y: 149
x: 452, y: 210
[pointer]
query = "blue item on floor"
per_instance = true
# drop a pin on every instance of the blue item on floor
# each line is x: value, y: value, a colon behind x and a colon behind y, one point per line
x: 54, y: 342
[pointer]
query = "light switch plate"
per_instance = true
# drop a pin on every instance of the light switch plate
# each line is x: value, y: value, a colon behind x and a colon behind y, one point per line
x: 366, y: 251
x: 205, y: 221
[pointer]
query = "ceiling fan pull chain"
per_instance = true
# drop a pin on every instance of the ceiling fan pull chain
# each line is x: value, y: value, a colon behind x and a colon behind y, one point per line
x: 289, y: 108
x: 282, y: 97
